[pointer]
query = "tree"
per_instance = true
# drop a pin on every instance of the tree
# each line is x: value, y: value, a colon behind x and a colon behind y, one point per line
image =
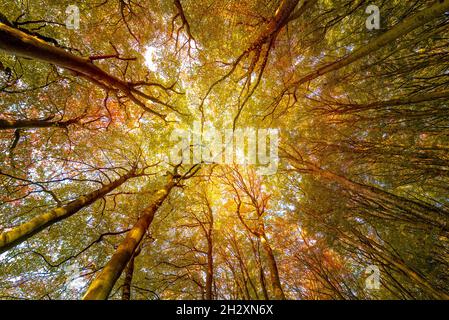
x: 95, y: 205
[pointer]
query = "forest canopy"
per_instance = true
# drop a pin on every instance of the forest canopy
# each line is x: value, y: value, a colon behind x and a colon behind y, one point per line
x: 224, y: 149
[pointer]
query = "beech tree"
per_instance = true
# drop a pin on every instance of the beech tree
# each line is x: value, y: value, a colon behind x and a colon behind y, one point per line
x: 100, y: 199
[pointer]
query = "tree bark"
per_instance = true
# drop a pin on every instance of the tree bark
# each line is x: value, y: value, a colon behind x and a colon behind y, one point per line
x: 407, y: 25
x: 352, y: 108
x: 126, y: 289
x: 256, y: 253
x: 378, y: 250
x: 24, y: 124
x: 274, y: 272
x: 259, y: 232
x: 210, y: 269
x: 263, y: 283
x: 101, y: 287
x: 19, y: 43
x: 433, y: 216
x: 17, y: 235
x: 16, y: 42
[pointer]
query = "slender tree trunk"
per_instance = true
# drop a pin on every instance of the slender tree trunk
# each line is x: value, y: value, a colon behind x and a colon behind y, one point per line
x: 407, y: 25
x: 101, y: 287
x: 16, y: 42
x: 23, y: 124
x: 18, y: 234
x: 245, y: 286
x: 246, y: 275
x: 126, y: 289
x: 351, y: 108
x: 210, y: 251
x: 274, y: 272
x: 433, y: 216
x: 210, y: 269
x: 281, y: 16
x: 416, y: 277
x: 240, y: 292
x: 278, y: 293
x: 263, y: 283
x: 276, y: 23
x: 300, y: 11
x: 378, y: 250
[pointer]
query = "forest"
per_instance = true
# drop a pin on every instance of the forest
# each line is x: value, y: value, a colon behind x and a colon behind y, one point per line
x: 224, y: 150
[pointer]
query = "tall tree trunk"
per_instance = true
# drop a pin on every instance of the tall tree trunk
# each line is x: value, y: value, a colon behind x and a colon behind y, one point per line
x: 274, y: 25
x: 238, y: 287
x: 280, y: 18
x: 434, y: 217
x: 256, y: 253
x: 353, y: 107
x: 210, y: 251
x: 101, y: 287
x: 263, y: 283
x: 274, y: 272
x: 407, y: 25
x: 17, y: 235
x: 19, y: 43
x: 244, y: 278
x: 210, y: 269
x: 283, y: 15
x: 246, y: 275
x: 391, y: 258
x: 278, y: 293
x: 126, y: 289
x: 23, y: 124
